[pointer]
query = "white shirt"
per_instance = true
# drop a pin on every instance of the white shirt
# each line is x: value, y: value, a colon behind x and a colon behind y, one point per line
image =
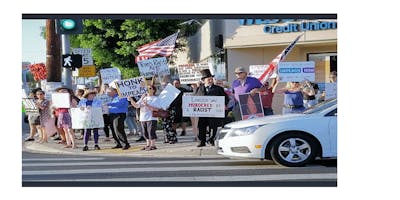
x: 145, y: 112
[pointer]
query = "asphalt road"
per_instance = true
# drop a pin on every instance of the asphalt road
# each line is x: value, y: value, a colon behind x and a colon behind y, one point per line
x: 52, y: 170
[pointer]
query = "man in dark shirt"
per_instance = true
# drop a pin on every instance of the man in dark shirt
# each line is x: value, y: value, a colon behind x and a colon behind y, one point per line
x: 177, y: 105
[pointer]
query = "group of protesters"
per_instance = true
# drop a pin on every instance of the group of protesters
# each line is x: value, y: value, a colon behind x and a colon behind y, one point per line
x: 138, y: 113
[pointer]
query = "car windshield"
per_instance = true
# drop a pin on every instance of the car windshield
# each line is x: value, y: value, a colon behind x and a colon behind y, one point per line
x: 321, y: 106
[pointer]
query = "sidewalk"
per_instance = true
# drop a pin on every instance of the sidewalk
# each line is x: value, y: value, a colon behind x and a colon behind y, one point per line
x: 185, y: 147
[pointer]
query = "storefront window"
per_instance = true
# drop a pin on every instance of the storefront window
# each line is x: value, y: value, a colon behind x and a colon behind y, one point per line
x: 324, y: 64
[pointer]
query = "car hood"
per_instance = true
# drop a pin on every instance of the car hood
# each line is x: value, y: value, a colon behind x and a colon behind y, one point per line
x: 265, y: 120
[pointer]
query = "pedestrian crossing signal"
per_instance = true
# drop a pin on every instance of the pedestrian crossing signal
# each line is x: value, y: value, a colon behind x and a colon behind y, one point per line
x: 70, y: 26
x: 72, y: 61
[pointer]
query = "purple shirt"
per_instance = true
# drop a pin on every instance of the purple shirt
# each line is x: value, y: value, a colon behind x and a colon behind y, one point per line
x: 249, y: 84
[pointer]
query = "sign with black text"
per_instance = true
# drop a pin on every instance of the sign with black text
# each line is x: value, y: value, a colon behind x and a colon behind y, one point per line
x: 109, y: 75
x: 154, y: 66
x: 203, y: 106
x: 190, y: 73
x: 131, y: 87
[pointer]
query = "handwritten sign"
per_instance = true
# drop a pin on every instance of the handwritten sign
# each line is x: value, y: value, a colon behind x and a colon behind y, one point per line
x: 155, y: 66
x: 87, y: 118
x: 190, y: 73
x: 110, y: 74
x: 61, y: 100
x: 85, y: 71
x: 203, y: 106
x: 30, y: 106
x: 167, y: 96
x: 131, y: 87
x: 257, y: 70
x: 296, y: 71
x: 250, y: 106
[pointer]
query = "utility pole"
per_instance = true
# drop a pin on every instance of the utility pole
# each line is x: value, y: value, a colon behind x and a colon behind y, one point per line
x: 53, y: 52
x: 66, y: 73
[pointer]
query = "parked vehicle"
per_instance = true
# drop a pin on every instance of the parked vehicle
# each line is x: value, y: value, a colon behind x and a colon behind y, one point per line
x: 291, y: 140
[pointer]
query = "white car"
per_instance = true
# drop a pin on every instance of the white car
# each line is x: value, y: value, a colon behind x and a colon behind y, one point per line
x: 291, y: 140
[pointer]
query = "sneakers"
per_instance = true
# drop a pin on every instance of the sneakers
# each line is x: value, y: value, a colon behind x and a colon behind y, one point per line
x: 85, y: 148
x: 29, y: 139
x: 96, y: 147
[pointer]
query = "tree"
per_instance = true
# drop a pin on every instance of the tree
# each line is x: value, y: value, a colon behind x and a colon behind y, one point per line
x: 114, y: 42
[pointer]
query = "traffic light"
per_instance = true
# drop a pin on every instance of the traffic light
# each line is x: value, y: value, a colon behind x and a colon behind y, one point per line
x: 69, y: 26
x: 72, y: 61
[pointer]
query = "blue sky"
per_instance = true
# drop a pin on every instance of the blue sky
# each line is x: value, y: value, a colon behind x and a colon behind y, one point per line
x: 33, y: 45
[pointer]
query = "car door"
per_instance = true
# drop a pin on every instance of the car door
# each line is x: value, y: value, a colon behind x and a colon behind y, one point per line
x: 333, y: 131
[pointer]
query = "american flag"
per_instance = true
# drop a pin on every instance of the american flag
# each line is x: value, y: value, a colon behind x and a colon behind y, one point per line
x: 271, y: 69
x: 163, y: 47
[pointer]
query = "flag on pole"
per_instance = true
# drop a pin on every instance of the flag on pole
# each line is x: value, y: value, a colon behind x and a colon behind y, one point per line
x: 271, y: 69
x: 163, y: 47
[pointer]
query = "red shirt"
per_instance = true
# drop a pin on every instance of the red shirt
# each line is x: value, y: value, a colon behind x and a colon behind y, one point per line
x: 266, y: 98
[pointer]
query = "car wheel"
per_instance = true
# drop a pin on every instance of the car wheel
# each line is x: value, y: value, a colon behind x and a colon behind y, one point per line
x: 293, y: 150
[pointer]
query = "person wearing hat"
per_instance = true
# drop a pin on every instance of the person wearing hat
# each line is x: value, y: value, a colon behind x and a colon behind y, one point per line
x: 242, y: 85
x: 117, y: 110
x: 208, y: 88
x: 89, y: 102
x: 64, y: 122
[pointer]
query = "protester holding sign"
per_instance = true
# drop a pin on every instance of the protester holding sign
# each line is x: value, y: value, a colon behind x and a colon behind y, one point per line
x: 149, y: 123
x: 88, y: 102
x: 64, y: 118
x: 207, y: 88
x: 33, y: 118
x: 293, y: 98
x: 117, y: 109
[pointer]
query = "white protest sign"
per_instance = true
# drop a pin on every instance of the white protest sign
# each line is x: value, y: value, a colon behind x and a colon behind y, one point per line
x: 86, y: 53
x: 50, y: 87
x: 203, y: 106
x: 30, y: 106
x: 190, y: 73
x: 167, y: 96
x: 131, y: 87
x: 87, y: 118
x: 109, y: 75
x: 257, y: 70
x: 105, y: 99
x: 219, y: 71
x: 330, y: 90
x: 296, y: 71
x: 154, y: 66
x: 60, y: 100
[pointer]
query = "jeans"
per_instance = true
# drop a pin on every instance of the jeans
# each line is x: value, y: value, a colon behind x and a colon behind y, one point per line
x: 131, y: 121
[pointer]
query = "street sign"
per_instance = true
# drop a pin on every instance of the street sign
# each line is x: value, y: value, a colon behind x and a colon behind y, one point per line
x: 85, y: 71
x: 86, y: 53
x: 72, y: 61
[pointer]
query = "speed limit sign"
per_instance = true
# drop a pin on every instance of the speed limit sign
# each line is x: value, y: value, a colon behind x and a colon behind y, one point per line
x: 87, y: 59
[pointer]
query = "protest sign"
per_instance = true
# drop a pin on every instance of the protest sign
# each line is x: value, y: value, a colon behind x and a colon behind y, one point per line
x: 218, y: 70
x: 30, y: 106
x: 296, y: 71
x: 250, y: 106
x: 131, y: 87
x: 60, y: 100
x: 167, y: 96
x: 257, y: 70
x: 109, y: 75
x: 190, y: 73
x: 105, y: 99
x: 87, y: 118
x: 154, y: 66
x: 330, y: 90
x: 203, y: 106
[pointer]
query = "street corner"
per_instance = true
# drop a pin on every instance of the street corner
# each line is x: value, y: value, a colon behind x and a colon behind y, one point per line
x: 110, y: 150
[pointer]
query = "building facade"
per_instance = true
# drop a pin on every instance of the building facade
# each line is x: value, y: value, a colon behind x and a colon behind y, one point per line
x: 248, y: 42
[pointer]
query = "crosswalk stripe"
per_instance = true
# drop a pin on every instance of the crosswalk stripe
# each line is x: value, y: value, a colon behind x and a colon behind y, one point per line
x: 135, y: 163
x: 60, y: 159
x: 276, y: 177
x: 147, y: 169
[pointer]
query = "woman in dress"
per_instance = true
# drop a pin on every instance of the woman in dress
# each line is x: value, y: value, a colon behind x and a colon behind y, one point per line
x: 44, y: 109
